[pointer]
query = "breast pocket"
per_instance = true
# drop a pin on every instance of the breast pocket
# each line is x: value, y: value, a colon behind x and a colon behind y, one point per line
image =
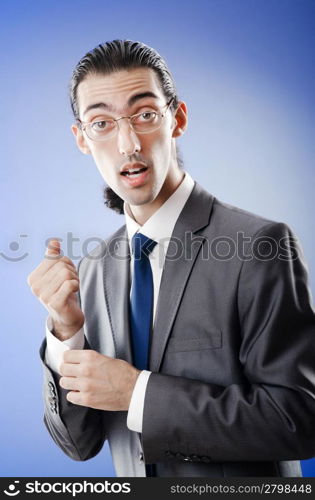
x: 213, y: 341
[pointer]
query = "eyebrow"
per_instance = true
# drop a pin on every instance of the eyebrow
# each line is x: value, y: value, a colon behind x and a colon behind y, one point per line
x: 131, y: 101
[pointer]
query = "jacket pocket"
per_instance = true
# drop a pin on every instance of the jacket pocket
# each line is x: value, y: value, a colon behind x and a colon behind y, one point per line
x: 214, y: 341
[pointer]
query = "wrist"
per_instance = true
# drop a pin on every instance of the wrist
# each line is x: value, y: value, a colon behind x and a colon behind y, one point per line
x: 65, y: 332
x: 132, y: 384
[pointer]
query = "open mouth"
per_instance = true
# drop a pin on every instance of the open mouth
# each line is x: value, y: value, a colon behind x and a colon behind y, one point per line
x: 134, y: 172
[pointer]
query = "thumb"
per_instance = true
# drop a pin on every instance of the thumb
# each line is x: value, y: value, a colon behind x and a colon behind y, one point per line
x: 53, y: 248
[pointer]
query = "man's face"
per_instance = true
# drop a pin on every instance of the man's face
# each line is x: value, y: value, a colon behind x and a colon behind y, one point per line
x: 126, y: 93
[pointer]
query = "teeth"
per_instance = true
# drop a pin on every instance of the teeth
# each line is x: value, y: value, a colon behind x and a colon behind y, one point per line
x: 133, y: 170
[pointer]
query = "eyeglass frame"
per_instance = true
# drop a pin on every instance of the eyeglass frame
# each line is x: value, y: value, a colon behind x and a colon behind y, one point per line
x: 83, y: 125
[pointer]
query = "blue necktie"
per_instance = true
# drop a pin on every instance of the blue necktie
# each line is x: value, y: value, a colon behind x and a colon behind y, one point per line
x: 141, y: 307
x: 141, y: 302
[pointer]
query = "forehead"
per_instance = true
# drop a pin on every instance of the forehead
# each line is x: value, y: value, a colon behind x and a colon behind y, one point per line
x: 115, y: 89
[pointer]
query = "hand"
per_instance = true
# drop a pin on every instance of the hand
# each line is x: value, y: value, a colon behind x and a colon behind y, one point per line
x: 97, y: 381
x: 55, y: 282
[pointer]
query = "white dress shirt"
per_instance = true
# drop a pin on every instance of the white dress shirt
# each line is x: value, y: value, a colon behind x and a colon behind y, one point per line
x: 159, y: 227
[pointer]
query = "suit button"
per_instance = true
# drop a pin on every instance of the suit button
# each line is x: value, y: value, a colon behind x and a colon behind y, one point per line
x: 206, y: 460
x: 195, y: 458
x: 187, y: 459
x: 51, y: 388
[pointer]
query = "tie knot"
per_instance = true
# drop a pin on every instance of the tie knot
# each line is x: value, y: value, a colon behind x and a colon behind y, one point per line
x: 142, y: 245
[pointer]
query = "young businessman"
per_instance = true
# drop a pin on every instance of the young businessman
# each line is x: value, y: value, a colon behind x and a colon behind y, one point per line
x: 190, y: 360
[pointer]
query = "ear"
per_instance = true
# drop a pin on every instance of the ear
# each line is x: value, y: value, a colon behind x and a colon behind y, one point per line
x: 80, y: 139
x: 181, y: 120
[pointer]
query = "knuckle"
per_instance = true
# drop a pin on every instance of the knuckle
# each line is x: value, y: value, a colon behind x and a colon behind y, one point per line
x: 91, y: 355
x: 66, y: 274
x: 86, y: 370
x: 35, y: 289
x: 65, y: 287
x: 52, y: 303
x: 43, y: 297
x: 69, y: 285
x: 86, y: 386
x: 59, y: 266
x: 66, y: 260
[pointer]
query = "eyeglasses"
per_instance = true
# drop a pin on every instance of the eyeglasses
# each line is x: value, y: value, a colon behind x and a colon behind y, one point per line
x: 142, y: 123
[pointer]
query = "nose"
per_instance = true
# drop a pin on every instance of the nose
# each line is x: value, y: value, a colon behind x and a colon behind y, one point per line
x: 128, y: 141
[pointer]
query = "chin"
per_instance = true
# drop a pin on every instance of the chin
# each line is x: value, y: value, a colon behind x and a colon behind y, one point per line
x: 140, y: 196
x: 138, y: 201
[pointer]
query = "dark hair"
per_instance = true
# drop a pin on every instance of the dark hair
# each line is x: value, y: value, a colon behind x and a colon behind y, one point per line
x: 114, y: 56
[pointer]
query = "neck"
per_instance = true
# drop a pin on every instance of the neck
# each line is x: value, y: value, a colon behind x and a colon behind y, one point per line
x: 141, y: 213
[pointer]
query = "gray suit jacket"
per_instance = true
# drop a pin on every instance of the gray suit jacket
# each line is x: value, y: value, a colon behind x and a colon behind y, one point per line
x: 232, y: 391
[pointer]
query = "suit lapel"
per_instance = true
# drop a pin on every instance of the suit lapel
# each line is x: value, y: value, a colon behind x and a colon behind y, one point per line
x: 194, y: 216
x: 116, y: 288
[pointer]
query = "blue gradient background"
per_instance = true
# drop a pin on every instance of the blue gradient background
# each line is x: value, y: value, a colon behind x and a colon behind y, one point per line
x: 245, y: 69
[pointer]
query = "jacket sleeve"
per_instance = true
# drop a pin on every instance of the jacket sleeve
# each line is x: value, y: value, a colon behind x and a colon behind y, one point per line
x: 77, y: 430
x: 272, y: 415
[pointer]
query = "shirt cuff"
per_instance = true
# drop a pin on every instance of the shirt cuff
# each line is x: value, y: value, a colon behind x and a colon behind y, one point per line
x: 135, y: 412
x: 55, y: 347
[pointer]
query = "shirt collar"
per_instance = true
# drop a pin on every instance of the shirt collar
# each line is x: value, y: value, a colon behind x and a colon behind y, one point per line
x: 161, y: 224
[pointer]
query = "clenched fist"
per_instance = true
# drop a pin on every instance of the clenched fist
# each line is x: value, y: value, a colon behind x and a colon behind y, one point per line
x: 55, y: 283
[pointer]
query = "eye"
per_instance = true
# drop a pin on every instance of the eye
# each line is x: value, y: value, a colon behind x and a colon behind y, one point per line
x: 100, y: 125
x: 146, y: 116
